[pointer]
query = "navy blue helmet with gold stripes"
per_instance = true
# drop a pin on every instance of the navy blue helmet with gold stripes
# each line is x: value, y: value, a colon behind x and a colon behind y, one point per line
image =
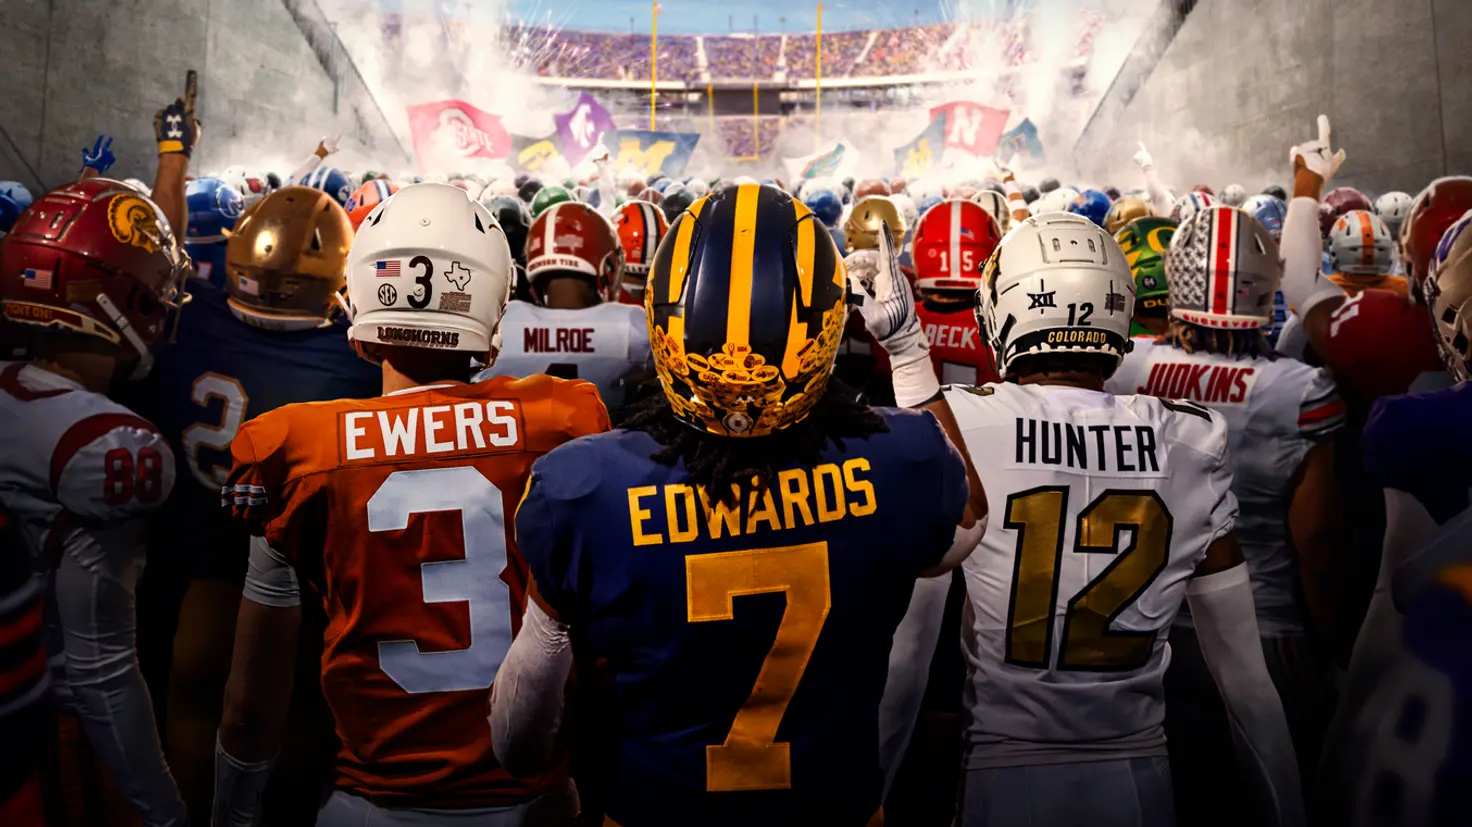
x: 746, y: 302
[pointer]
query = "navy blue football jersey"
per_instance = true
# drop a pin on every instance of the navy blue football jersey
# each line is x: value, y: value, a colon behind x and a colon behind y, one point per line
x: 1417, y: 444
x: 749, y: 642
x: 220, y: 373
x: 209, y: 262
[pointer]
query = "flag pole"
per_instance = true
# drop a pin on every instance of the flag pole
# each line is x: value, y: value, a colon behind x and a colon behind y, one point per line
x: 653, y: 58
x: 818, y: 79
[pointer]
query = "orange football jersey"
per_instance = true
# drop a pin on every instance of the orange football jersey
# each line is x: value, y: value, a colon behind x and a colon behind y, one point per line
x: 397, y: 511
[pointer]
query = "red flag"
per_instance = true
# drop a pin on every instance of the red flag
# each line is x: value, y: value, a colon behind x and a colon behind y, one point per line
x: 448, y: 132
x: 971, y: 127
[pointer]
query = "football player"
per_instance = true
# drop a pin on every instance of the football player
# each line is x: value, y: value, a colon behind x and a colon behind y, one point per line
x: 1281, y: 417
x: 388, y: 509
x: 776, y: 526
x: 366, y: 197
x: 640, y: 227
x: 1066, y: 629
x: 1123, y: 211
x: 273, y: 337
x: 1145, y: 241
x: 577, y: 329
x: 214, y: 208
x: 952, y: 243
x: 78, y: 471
x: 1362, y: 253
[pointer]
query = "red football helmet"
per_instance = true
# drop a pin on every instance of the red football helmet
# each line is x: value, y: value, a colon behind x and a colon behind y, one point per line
x: 871, y: 186
x: 640, y: 227
x: 1339, y: 201
x: 1436, y: 208
x: 952, y: 243
x: 1379, y: 342
x: 572, y: 238
x: 1204, y: 190
x: 94, y: 257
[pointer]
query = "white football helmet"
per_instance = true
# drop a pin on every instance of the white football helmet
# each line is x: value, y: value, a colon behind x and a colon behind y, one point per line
x: 1448, y: 289
x: 252, y: 185
x: 429, y: 268
x: 1393, y: 207
x: 996, y: 206
x: 1360, y: 244
x: 1056, y: 284
x: 1223, y: 268
x: 1190, y: 204
x: 907, y: 209
x: 1234, y: 195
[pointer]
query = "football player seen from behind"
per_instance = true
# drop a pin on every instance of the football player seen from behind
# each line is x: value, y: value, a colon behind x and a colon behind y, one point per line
x: 214, y: 208
x: 1281, y: 416
x: 1108, y: 511
x: 952, y: 243
x: 387, y: 508
x: 79, y: 472
x: 776, y: 526
x: 274, y: 336
x: 640, y: 227
x: 1145, y: 241
x: 1361, y: 254
x: 577, y: 329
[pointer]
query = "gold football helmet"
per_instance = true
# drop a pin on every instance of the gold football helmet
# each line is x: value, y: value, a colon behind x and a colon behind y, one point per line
x: 861, y: 230
x: 1125, y: 210
x: 746, y: 301
x: 285, y: 261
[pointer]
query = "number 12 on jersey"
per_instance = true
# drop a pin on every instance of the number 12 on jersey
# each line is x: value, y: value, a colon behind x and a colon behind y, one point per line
x: 1088, y: 643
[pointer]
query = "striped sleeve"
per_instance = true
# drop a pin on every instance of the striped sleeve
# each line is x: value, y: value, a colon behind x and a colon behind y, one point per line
x: 1322, y: 410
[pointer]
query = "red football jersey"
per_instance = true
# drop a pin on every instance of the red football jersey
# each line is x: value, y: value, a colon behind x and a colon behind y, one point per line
x: 397, y: 510
x: 1379, y: 342
x: 956, y: 348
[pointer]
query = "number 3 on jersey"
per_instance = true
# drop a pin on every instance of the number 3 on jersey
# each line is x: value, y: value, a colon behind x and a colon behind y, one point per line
x: 1088, y: 642
x: 475, y: 580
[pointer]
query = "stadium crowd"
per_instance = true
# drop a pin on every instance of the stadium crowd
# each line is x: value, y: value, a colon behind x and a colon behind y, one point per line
x: 622, y: 500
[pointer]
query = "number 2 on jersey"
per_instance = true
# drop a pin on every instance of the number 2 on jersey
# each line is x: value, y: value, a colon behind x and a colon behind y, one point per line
x: 1088, y: 643
x: 750, y: 758
x: 199, y: 435
x: 475, y: 580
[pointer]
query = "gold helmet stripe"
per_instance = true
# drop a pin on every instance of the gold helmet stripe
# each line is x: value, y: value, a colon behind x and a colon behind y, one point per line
x: 743, y: 252
x: 805, y: 250
x: 680, y: 261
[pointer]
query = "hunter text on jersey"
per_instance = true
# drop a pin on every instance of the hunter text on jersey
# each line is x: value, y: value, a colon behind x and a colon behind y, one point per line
x: 1118, y: 448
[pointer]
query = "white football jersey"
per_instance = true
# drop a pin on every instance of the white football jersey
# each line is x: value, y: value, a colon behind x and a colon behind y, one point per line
x: 1102, y: 506
x: 602, y: 344
x: 1276, y: 410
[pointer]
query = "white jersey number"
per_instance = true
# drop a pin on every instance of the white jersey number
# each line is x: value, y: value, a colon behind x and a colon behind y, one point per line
x: 476, y: 580
x: 199, y: 435
x: 1403, y: 760
x: 1088, y: 644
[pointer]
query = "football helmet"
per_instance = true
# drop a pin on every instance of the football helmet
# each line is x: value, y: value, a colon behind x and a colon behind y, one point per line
x: 573, y: 239
x: 14, y: 198
x: 527, y: 190
x: 1048, y: 185
x: 1437, y: 207
x: 1360, y: 244
x: 330, y: 180
x: 95, y: 257
x: 429, y: 268
x: 1269, y: 211
x: 743, y: 351
x: 908, y: 211
x: 952, y: 244
x: 861, y: 230
x: 252, y: 186
x: 547, y: 196
x: 1056, y: 284
x: 1190, y: 204
x: 1234, y: 195
x: 366, y: 197
x: 1145, y: 242
x: 1337, y: 202
x: 930, y: 202
x: 1125, y: 210
x: 1091, y: 204
x: 676, y: 200
x: 996, y: 205
x: 284, y: 263
x: 515, y: 220
x: 826, y: 205
x: 640, y: 227
x: 871, y: 186
x: 1393, y: 207
x: 1275, y: 191
x: 1449, y: 294
x: 214, y: 207
x: 1223, y: 268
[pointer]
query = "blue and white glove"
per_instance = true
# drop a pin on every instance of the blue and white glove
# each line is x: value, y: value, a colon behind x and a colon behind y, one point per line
x: 100, y: 156
x: 887, y: 305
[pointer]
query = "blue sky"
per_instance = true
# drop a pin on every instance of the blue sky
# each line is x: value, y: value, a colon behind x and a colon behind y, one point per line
x: 763, y: 16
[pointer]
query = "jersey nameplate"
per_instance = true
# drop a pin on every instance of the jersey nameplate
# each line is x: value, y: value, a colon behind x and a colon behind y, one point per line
x: 476, y: 427
x: 1115, y: 450
x: 1215, y: 385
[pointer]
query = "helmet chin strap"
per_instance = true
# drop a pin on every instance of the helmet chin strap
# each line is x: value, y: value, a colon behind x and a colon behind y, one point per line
x: 119, y: 321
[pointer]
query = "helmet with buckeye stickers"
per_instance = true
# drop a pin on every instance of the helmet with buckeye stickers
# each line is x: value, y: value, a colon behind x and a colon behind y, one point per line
x: 1223, y: 269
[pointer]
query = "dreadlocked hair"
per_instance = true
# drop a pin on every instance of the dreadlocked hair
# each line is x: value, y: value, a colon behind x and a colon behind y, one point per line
x: 730, y: 470
x: 1191, y: 338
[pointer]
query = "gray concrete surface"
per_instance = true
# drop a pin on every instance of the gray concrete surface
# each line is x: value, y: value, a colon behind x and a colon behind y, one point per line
x: 74, y: 68
x: 1244, y: 80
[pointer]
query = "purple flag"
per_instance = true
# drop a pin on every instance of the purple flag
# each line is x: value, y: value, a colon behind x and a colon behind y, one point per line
x: 580, y: 128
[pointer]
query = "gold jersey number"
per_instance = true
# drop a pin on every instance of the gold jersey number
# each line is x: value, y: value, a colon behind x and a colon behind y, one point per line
x: 751, y: 758
x: 1088, y: 643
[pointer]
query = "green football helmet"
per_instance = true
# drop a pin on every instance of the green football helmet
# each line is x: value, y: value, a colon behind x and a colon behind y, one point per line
x: 1144, y: 242
x: 547, y: 196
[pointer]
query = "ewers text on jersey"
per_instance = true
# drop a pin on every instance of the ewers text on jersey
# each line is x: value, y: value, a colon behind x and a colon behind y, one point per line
x: 397, y: 508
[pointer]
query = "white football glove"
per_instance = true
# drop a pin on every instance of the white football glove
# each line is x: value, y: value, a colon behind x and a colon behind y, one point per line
x: 1318, y: 156
x: 886, y: 301
x: 1143, y: 159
